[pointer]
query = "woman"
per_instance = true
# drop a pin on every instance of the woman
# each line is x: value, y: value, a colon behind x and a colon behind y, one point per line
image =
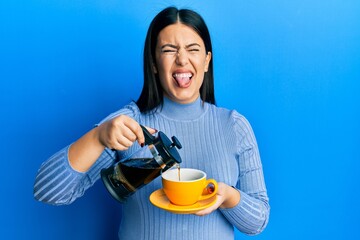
x: 178, y: 99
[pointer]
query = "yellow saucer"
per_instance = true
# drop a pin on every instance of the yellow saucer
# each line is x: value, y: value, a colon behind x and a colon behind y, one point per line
x: 159, y: 199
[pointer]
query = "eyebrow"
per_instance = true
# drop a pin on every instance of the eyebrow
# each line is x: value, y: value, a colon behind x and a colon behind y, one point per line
x: 173, y: 46
x: 192, y: 45
x: 168, y: 45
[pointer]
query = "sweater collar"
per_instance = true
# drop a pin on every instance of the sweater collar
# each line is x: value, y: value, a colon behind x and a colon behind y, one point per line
x: 178, y: 111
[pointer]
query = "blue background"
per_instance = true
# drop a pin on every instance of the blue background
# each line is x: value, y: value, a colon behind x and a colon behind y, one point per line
x: 291, y: 67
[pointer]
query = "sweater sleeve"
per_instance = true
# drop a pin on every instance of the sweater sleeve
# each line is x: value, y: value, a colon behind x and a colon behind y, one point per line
x: 58, y: 183
x: 251, y: 214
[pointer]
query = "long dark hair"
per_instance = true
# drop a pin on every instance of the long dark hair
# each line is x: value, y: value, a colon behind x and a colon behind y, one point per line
x: 152, y: 93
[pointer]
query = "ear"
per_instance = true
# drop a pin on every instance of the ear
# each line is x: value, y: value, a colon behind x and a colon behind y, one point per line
x: 154, y: 68
x: 207, y: 61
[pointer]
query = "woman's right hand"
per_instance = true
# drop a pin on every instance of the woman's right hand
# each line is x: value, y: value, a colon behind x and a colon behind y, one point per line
x: 121, y: 132
x: 118, y: 133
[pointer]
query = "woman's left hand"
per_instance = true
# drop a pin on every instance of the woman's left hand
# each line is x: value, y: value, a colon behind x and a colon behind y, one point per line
x: 227, y: 197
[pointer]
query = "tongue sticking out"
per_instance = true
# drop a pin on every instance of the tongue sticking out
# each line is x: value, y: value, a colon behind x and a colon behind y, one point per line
x: 183, y: 79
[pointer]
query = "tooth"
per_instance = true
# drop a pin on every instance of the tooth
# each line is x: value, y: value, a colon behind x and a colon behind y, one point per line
x: 182, y: 74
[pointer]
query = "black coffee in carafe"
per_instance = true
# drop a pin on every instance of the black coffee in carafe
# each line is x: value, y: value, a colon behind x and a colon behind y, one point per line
x: 146, y: 164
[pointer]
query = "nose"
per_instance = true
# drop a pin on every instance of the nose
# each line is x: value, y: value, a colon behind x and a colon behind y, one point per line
x: 181, y: 57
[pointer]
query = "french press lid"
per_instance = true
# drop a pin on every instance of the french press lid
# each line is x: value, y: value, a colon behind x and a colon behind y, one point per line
x: 165, y: 147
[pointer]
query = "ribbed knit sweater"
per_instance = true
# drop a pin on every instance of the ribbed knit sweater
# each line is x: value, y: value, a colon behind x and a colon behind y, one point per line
x: 216, y: 140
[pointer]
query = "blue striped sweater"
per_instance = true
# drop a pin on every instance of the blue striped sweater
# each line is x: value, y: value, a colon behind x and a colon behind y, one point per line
x: 216, y: 140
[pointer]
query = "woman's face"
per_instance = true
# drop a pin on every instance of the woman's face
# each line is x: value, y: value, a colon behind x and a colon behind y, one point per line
x: 181, y: 62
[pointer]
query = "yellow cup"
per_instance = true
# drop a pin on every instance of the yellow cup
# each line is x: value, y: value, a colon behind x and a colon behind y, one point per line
x: 192, y: 187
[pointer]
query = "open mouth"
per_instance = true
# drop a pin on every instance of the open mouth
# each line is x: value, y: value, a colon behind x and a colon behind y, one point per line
x: 183, y: 79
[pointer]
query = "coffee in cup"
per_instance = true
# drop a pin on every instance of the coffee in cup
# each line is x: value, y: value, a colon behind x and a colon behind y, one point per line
x: 186, y: 186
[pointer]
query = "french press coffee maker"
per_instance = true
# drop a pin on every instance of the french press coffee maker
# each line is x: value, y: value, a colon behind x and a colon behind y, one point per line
x: 143, y: 166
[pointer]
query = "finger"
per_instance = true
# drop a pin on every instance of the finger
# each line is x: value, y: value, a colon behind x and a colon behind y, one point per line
x: 204, y: 212
x: 127, y: 133
x: 151, y: 130
x: 119, y: 142
x: 121, y: 138
x: 138, y: 131
x: 123, y: 143
x: 210, y: 209
x: 133, y: 130
x: 207, y: 210
x: 139, y: 135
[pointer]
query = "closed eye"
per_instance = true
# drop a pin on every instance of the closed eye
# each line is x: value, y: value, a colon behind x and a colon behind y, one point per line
x: 193, y: 47
x: 168, y: 50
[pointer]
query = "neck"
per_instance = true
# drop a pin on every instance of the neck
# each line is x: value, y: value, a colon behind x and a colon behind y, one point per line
x: 178, y: 111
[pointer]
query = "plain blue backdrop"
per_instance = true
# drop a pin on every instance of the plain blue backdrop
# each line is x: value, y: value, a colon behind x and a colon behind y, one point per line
x: 291, y: 67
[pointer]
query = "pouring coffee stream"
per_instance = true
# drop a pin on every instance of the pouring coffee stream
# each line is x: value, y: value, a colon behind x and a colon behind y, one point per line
x: 131, y: 173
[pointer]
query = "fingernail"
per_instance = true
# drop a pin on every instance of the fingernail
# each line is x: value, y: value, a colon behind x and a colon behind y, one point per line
x: 142, y: 144
x: 211, y: 188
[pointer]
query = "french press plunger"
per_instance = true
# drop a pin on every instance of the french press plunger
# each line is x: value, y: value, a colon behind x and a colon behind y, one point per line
x: 143, y: 166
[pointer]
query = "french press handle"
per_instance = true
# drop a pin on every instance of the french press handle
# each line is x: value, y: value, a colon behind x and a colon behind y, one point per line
x: 149, y: 139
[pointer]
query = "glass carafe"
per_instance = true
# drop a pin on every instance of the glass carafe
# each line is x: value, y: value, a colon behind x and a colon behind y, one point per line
x: 130, y: 174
